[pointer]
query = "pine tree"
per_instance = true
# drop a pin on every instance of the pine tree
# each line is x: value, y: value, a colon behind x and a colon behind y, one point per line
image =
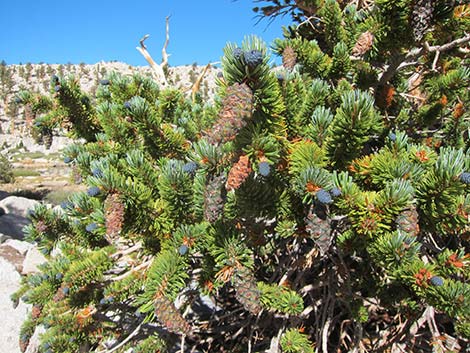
x: 320, y: 206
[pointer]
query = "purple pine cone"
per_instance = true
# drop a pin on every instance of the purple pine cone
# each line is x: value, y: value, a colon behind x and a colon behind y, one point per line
x: 335, y: 192
x: 237, y: 53
x: 437, y: 281
x: 190, y: 167
x: 97, y: 173
x: 324, y: 197
x: 183, y: 249
x: 280, y: 78
x: 93, y: 191
x: 66, y: 205
x: 91, y: 227
x: 465, y: 177
x: 253, y: 58
x: 264, y: 168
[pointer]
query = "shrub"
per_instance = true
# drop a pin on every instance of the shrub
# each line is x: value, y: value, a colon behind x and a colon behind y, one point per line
x: 6, y: 172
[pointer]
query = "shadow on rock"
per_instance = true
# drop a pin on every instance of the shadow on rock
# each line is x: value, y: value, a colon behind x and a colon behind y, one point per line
x: 12, y: 225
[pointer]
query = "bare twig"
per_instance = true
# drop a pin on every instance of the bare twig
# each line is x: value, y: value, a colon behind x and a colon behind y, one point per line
x: 392, y: 68
x: 434, y: 62
x: 183, y: 337
x: 364, y: 4
x: 142, y: 40
x: 434, y: 329
x: 133, y: 270
x: 327, y: 312
x: 127, y: 339
x: 127, y: 251
x: 420, y: 322
x: 325, y: 333
x: 197, y: 85
x: 406, y: 64
x: 308, y: 20
x: 412, y: 96
x: 274, y: 346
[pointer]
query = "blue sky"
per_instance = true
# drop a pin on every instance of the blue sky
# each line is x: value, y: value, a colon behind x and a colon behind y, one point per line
x: 54, y: 31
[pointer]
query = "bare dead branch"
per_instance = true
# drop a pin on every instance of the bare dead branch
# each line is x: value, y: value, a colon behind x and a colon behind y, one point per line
x: 127, y: 339
x: 167, y: 40
x: 158, y: 70
x: 133, y: 270
x: 449, y: 45
x: 127, y: 251
x: 197, y: 85
x: 143, y: 40
x: 400, y: 61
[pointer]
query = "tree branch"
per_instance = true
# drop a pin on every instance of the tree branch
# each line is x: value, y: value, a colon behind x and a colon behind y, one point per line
x: 447, y: 46
x: 401, y: 61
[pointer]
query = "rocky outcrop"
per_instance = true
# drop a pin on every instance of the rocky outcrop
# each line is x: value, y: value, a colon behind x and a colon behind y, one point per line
x: 8, y: 141
x: 32, y: 260
x: 12, y: 225
x: 13, y: 210
x: 16, y: 257
x: 17, y: 205
x: 10, y: 327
